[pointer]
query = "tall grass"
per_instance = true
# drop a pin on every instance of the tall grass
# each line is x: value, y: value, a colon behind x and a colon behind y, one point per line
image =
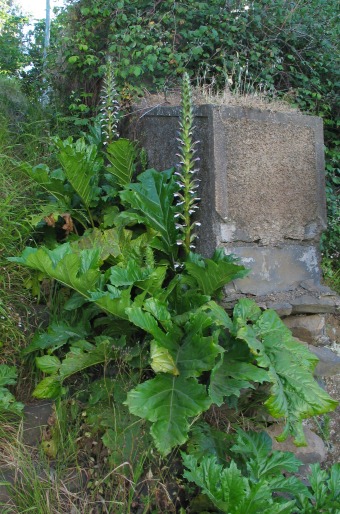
x: 22, y: 137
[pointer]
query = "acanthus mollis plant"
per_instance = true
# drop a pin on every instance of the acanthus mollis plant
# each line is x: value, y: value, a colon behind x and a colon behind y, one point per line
x: 109, y: 105
x: 186, y: 171
x: 197, y: 355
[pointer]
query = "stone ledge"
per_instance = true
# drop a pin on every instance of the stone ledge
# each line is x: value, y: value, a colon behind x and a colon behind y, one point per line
x: 306, y: 298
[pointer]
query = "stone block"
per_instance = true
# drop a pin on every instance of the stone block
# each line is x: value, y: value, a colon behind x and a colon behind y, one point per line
x: 35, y: 420
x: 262, y: 186
x: 275, y: 269
x: 315, y: 451
x: 329, y: 362
x: 307, y: 328
x: 310, y: 304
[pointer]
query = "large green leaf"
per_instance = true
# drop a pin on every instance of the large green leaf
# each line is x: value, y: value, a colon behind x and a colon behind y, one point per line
x: 147, y: 322
x: 128, y: 275
x: 212, y: 274
x: 121, y: 154
x: 197, y: 354
x: 230, y: 376
x: 152, y: 197
x: 169, y: 403
x: 8, y: 375
x: 79, y: 270
x: 294, y: 394
x: 106, y: 240
x: 56, y: 336
x: 53, y: 182
x: 80, y: 357
x: 8, y: 402
x: 206, y: 440
x: 81, y: 165
x: 261, y: 462
x: 76, y: 270
x: 229, y: 490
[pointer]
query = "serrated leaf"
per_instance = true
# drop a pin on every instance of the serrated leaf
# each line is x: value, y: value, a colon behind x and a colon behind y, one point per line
x: 218, y: 314
x: 196, y: 354
x: 255, y: 445
x: 205, y: 440
x: 128, y: 275
x: 214, y: 275
x: 76, y: 270
x: 51, y: 182
x: 116, y: 304
x: 289, y: 485
x: 158, y: 309
x: 230, y: 491
x: 169, y: 403
x: 244, y: 311
x: 48, y: 364
x: 225, y: 486
x: 49, y: 387
x: 107, y: 241
x: 260, y: 463
x: 58, y: 335
x: 152, y: 197
x: 294, y: 394
x: 8, y: 375
x: 8, y: 402
x: 81, y: 165
x: 147, y: 322
x: 230, y: 376
x: 121, y: 154
x: 77, y: 359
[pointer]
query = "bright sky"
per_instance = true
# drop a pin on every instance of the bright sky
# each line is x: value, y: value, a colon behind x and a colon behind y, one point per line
x: 37, y: 8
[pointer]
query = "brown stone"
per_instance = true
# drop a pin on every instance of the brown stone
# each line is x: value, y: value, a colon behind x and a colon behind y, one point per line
x: 306, y: 328
x: 315, y: 451
x: 333, y: 328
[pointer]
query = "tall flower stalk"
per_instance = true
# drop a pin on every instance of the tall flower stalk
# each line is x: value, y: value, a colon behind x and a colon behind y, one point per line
x: 109, y: 109
x: 186, y: 171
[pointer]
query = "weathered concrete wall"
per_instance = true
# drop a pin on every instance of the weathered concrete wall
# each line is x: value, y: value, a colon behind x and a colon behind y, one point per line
x: 262, y: 189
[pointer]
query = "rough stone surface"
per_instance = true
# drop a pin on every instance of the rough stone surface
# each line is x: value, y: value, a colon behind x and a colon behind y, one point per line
x: 36, y: 418
x: 315, y: 451
x: 333, y: 327
x: 311, y: 304
x: 262, y: 186
x: 282, y: 309
x: 275, y: 269
x: 329, y: 361
x: 308, y: 328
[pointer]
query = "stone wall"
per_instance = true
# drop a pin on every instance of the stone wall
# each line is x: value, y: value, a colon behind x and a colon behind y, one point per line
x: 263, y: 196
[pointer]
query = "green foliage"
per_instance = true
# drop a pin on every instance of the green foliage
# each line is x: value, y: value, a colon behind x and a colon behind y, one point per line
x: 250, y: 485
x: 288, y: 365
x: 129, y: 278
x: 8, y: 403
x: 152, y: 198
x: 324, y: 491
x: 255, y: 477
x: 230, y: 491
x: 12, y: 54
x: 274, y: 48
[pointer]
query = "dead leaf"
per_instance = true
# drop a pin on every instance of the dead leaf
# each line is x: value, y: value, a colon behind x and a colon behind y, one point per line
x: 50, y: 220
x: 69, y: 226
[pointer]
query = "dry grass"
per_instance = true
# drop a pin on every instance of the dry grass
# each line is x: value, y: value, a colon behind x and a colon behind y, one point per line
x: 206, y: 95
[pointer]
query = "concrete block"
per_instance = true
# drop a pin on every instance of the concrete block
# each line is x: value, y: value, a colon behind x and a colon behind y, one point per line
x: 275, y: 269
x: 262, y: 186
